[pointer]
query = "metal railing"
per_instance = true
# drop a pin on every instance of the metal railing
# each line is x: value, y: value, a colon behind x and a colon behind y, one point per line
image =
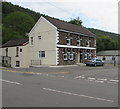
x: 36, y: 62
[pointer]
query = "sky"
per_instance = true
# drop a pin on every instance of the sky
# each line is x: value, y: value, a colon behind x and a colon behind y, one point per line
x: 98, y: 14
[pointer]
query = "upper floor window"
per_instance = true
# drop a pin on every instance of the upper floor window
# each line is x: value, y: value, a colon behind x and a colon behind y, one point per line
x: 17, y: 51
x: 79, y: 41
x: 20, y: 49
x: 39, y: 37
x: 31, y: 40
x: 41, y: 53
x: 87, y: 43
x: 95, y: 42
x: 6, y: 51
x: 68, y: 39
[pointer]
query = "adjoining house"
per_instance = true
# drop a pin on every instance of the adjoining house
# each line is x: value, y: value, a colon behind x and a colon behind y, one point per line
x: 109, y: 56
x: 15, y: 53
x: 55, y: 42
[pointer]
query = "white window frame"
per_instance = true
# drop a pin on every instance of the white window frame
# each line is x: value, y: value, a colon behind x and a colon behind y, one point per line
x: 41, y: 54
x: 87, y: 43
x: 17, y: 63
x: 65, y: 57
x: 85, y: 55
x: 71, y: 56
x: 78, y: 42
x: 68, y: 41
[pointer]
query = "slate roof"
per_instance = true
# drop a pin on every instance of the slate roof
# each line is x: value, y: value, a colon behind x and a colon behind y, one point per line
x: 108, y: 53
x: 69, y: 27
x: 16, y: 42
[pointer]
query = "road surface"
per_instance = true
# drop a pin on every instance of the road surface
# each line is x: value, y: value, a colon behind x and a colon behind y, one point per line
x: 43, y: 90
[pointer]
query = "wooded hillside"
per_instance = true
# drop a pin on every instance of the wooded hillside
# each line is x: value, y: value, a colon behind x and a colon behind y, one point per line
x: 17, y: 21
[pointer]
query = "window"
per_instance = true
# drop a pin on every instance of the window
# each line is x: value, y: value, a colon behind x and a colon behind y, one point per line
x: 17, y: 63
x: 39, y: 37
x: 85, y: 55
x: 31, y: 40
x: 6, y: 51
x: 68, y: 54
x: 87, y: 43
x: 68, y: 41
x: 71, y: 56
x: 65, y: 58
x: 79, y: 41
x: 95, y: 42
x: 41, y: 54
x: 17, y: 51
x: 21, y: 50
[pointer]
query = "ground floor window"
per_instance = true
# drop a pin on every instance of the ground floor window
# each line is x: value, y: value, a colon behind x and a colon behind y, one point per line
x: 41, y: 54
x: 65, y: 57
x: 71, y: 57
x: 68, y: 54
x: 17, y: 63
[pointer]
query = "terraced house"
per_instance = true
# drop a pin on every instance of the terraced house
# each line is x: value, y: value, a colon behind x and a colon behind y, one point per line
x: 55, y: 42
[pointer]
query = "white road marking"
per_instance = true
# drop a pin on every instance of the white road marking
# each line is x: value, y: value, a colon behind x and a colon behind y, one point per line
x: 99, y: 81
x: 91, y: 78
x: 10, y: 82
x: 78, y: 77
x: 39, y: 73
x: 69, y: 93
x: 114, y: 80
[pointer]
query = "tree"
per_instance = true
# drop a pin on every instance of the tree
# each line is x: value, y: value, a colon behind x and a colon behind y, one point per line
x: 9, y: 34
x: 76, y: 21
x: 100, y: 44
x: 106, y: 43
x: 19, y: 22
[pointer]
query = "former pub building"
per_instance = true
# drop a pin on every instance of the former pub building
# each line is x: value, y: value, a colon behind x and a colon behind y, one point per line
x: 53, y: 42
x: 75, y: 43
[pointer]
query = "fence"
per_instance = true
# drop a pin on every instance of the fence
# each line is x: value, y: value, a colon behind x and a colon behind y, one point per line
x: 5, y: 61
x: 36, y: 62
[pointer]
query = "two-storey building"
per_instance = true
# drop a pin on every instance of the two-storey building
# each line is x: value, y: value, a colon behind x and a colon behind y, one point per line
x: 55, y: 42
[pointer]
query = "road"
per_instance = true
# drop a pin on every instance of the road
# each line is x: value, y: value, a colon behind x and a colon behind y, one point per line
x: 43, y: 90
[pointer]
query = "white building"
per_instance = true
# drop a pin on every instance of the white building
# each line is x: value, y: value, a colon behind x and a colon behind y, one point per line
x: 109, y: 56
x: 15, y: 53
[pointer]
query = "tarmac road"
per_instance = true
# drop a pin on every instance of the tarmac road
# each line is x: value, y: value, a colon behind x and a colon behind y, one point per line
x: 43, y: 90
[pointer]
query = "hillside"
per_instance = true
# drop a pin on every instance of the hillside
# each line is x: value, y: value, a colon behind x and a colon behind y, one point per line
x: 105, y: 33
x: 17, y: 21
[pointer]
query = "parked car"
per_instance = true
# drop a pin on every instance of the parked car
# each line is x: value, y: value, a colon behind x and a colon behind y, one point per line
x: 94, y: 62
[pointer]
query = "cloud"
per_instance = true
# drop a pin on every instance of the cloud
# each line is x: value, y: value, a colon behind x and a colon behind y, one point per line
x: 101, y: 14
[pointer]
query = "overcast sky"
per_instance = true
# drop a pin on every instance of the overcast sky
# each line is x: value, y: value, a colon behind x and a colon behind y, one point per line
x: 98, y: 14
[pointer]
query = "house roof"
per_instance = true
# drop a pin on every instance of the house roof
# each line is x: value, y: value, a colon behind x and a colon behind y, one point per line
x: 109, y: 53
x: 69, y: 27
x: 16, y: 42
